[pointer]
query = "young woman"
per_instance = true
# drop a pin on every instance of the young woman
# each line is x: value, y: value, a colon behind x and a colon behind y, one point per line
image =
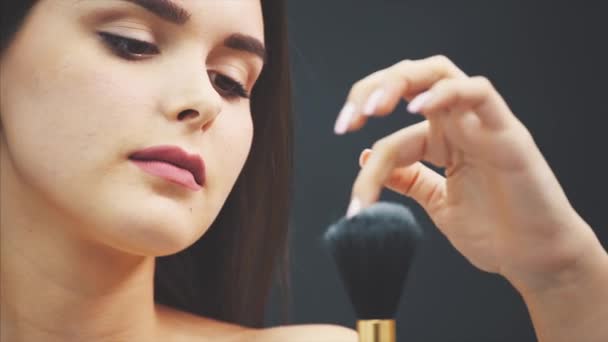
x: 102, y: 239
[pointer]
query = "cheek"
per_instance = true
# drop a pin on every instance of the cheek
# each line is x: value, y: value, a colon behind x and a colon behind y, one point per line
x: 231, y: 145
x: 241, y: 139
x: 75, y: 121
x: 67, y: 116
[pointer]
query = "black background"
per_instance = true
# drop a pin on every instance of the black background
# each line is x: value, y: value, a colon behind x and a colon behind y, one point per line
x: 547, y: 59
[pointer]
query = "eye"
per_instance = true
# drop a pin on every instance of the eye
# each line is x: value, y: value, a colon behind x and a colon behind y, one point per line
x: 227, y: 87
x: 128, y: 48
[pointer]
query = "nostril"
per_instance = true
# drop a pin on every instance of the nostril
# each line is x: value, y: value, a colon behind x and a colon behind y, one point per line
x: 186, y: 114
x: 207, y: 125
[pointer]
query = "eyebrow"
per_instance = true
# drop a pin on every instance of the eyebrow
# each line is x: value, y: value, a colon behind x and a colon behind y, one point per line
x: 173, y: 13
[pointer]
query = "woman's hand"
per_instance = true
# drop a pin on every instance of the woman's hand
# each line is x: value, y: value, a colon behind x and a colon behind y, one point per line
x: 499, y: 204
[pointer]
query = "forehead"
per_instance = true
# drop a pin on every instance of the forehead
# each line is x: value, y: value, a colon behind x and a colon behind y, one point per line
x: 242, y: 16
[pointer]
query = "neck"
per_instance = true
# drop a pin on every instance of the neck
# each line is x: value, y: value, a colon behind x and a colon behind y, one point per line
x: 58, y: 286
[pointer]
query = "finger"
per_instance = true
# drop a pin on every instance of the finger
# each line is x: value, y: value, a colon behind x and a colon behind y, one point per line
x: 475, y: 94
x: 417, y: 181
x: 379, y: 93
x: 406, y: 79
x: 357, y: 123
x: 423, y: 74
x: 437, y: 151
x: 350, y: 116
x: 402, y: 148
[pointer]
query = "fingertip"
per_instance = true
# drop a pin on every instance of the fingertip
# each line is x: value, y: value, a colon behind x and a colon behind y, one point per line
x: 344, y: 118
x: 365, y: 191
x: 353, y: 208
x: 418, y: 104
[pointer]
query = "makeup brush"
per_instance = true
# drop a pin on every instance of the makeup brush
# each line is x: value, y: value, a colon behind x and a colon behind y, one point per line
x: 373, y: 251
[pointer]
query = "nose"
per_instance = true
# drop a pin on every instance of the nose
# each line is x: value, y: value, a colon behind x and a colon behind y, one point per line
x: 190, y: 98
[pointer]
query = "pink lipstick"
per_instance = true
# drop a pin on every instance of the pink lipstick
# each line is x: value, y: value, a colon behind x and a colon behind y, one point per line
x: 173, y: 164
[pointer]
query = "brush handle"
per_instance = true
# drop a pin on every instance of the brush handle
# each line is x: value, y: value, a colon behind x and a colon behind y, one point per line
x: 376, y: 330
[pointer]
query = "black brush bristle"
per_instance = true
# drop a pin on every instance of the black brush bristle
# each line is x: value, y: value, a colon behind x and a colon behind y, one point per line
x: 373, y: 251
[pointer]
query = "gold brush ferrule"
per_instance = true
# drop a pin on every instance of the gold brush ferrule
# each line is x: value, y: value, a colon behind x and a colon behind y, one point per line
x: 376, y: 330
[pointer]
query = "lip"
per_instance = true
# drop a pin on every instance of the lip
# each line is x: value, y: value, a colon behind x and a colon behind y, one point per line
x: 172, y: 163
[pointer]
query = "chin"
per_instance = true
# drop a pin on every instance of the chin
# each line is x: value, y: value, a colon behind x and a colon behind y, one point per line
x: 150, y: 237
x: 149, y: 227
x: 136, y: 218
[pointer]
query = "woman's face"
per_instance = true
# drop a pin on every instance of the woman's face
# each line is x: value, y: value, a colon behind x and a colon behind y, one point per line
x: 77, y: 101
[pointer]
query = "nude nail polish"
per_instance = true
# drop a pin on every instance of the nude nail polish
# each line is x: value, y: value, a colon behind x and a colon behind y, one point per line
x: 418, y: 102
x: 344, y: 118
x: 353, y: 208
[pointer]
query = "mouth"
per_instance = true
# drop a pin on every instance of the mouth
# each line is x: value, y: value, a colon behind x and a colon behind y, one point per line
x: 172, y: 163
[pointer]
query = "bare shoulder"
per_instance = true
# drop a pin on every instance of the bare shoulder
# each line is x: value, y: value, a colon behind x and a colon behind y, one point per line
x: 179, y: 326
x: 305, y: 333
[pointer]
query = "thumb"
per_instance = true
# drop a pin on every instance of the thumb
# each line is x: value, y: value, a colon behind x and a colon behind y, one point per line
x: 417, y: 181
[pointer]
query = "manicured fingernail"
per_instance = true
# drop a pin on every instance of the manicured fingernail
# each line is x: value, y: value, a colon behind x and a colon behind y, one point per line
x: 353, y: 208
x: 372, y: 102
x: 344, y: 118
x: 418, y: 102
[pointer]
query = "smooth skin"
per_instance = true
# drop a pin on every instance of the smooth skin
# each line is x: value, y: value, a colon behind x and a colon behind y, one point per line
x: 499, y: 203
x: 81, y: 225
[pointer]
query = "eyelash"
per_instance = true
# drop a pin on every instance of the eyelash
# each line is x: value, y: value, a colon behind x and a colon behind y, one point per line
x: 123, y: 47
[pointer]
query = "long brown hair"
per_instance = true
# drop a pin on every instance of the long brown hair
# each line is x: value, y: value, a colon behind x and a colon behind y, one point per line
x: 229, y: 272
